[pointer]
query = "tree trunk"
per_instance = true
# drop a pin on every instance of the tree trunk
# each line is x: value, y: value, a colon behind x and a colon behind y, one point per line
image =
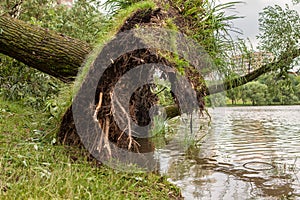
x: 53, y: 53
x: 61, y: 56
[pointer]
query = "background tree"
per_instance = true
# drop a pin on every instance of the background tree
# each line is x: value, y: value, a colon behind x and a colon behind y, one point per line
x: 269, y: 90
x: 234, y: 95
x: 279, y: 34
x: 256, y: 92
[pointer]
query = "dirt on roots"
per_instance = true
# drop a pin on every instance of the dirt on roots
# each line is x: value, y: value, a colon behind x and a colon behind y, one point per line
x: 142, y: 99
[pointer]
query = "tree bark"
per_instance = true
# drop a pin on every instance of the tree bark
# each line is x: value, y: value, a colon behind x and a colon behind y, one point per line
x: 53, y: 53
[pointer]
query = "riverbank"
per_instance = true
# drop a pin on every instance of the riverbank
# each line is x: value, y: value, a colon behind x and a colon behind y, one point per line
x: 34, y: 166
x: 248, y: 103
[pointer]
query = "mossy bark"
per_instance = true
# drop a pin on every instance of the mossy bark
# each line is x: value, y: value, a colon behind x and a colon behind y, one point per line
x: 43, y: 49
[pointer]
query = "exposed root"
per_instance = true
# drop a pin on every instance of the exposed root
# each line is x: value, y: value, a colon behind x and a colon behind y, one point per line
x: 122, y: 134
x: 98, y: 108
x: 103, y: 113
x: 106, y: 140
x: 128, y: 122
x: 136, y: 145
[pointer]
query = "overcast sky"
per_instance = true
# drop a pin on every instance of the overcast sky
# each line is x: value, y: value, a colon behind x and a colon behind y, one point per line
x: 250, y: 10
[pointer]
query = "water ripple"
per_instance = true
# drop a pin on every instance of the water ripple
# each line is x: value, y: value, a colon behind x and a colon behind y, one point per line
x: 249, y: 152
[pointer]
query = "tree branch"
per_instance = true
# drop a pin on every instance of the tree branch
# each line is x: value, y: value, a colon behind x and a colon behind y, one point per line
x: 284, y: 60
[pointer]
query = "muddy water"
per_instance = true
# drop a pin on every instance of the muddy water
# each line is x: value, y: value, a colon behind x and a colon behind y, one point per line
x: 247, y: 153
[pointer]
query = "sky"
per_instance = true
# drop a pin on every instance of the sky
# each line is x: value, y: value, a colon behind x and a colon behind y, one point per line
x: 250, y: 10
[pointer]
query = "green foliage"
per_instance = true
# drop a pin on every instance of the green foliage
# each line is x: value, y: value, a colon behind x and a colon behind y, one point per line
x: 207, y: 23
x: 163, y: 89
x: 216, y: 100
x: 256, y: 92
x: 234, y: 95
x: 267, y: 90
x: 20, y: 83
x: 83, y: 21
x: 279, y: 29
x: 114, y: 6
x: 296, y: 1
x: 279, y: 35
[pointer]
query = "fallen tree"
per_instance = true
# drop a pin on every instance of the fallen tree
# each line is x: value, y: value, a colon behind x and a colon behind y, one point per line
x: 62, y: 56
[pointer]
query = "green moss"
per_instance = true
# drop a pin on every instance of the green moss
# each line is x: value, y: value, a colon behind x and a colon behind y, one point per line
x: 170, y: 24
x: 126, y: 13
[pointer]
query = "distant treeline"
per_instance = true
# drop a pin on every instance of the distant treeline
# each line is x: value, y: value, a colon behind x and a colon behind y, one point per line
x: 267, y: 90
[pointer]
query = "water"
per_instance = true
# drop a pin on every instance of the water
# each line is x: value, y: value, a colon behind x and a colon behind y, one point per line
x: 247, y: 153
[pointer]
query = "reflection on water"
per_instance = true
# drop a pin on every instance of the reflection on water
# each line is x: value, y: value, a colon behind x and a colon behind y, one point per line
x: 248, y: 153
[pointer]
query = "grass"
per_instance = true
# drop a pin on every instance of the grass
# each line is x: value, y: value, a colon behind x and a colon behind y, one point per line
x: 32, y: 166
